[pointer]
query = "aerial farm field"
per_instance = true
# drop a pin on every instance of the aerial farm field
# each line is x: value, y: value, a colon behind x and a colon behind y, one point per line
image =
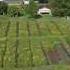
x: 34, y: 42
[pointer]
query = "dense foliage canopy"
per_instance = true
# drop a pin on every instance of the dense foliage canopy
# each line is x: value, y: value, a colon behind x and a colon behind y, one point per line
x: 3, y: 8
x: 60, y: 7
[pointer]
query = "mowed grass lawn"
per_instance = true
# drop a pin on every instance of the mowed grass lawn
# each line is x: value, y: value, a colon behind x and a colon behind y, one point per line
x: 31, y: 43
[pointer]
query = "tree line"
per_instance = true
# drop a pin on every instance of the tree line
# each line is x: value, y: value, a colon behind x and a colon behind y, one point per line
x: 58, y: 8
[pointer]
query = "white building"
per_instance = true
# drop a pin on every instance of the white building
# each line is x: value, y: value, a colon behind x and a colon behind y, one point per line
x: 25, y: 2
x: 1, y: 0
x: 12, y: 1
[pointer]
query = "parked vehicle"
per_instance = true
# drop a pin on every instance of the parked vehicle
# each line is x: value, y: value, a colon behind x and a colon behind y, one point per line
x: 44, y: 10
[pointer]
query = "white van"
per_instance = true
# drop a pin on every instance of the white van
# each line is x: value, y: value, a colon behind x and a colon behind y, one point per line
x: 44, y: 10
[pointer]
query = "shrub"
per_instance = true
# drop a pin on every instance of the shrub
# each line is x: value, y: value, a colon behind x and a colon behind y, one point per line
x: 31, y: 9
x: 60, y: 7
x: 15, y: 11
x: 58, y: 12
x: 3, y: 8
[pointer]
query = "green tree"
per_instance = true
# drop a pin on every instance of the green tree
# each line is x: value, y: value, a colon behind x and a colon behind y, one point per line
x: 31, y: 9
x: 3, y: 8
x: 14, y: 11
x: 60, y: 7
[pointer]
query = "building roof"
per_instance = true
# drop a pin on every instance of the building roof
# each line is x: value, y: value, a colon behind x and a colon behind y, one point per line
x: 1, y: 0
x: 13, y: 1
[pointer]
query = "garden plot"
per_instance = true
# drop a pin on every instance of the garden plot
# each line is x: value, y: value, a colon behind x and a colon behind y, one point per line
x: 10, y: 46
x: 67, y: 39
x: 64, y: 51
x: 3, y: 26
x: 25, y: 43
x: 4, y: 33
x: 64, y: 27
x: 24, y: 52
x: 49, y: 46
x: 41, y: 35
x: 53, y: 29
x: 56, y: 56
x: 33, y: 29
x: 57, y: 53
x: 43, y: 28
x: 23, y: 29
x: 67, y: 44
x: 38, y: 56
